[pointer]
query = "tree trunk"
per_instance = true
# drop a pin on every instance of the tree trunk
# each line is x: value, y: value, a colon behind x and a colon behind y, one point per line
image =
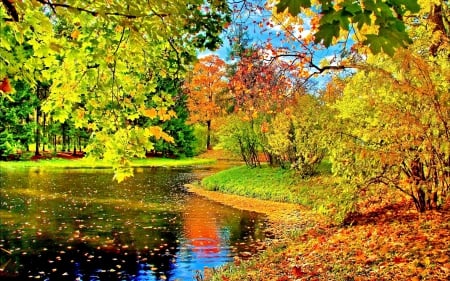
x: 37, y: 133
x: 54, y: 144
x: 63, y: 127
x: 44, y: 133
x: 208, y: 136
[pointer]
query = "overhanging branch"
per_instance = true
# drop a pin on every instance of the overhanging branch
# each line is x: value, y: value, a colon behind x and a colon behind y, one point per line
x: 53, y: 5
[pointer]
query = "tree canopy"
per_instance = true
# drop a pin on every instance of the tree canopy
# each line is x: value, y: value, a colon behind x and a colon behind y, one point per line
x: 381, y: 23
x: 102, y: 60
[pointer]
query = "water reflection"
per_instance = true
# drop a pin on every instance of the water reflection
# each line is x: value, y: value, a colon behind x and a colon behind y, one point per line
x: 80, y: 225
x: 201, y: 232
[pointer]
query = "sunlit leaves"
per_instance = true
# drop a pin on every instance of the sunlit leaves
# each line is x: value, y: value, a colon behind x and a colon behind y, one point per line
x: 293, y: 6
x: 336, y: 18
x: 394, y: 131
x: 102, y: 59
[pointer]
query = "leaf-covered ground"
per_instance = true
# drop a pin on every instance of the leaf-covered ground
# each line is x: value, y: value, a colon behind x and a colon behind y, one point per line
x: 383, y: 242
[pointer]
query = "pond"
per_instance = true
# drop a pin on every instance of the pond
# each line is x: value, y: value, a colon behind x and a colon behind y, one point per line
x: 78, y: 224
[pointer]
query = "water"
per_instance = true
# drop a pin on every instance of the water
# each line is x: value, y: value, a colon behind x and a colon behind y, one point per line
x: 78, y: 224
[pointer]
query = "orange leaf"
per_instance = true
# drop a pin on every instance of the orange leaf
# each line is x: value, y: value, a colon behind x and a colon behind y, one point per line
x: 297, y: 271
x: 150, y: 113
x: 442, y: 259
x: 75, y: 34
x: 399, y: 259
x: 5, y: 86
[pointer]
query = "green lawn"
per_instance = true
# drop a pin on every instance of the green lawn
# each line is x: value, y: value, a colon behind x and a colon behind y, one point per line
x: 90, y: 163
x: 320, y: 193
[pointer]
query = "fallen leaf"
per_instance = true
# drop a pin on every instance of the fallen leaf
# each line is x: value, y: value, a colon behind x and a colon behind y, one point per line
x: 297, y: 271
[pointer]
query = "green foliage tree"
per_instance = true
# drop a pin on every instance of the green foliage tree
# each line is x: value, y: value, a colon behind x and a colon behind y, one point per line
x: 16, y: 128
x: 386, y: 19
x: 297, y: 136
x: 177, y: 128
x: 104, y: 58
x: 243, y: 137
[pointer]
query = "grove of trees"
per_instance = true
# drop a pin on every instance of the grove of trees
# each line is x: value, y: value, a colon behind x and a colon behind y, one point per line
x: 381, y: 119
x: 102, y: 67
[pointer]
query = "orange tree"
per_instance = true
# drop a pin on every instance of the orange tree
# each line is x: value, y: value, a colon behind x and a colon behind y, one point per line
x: 204, y: 85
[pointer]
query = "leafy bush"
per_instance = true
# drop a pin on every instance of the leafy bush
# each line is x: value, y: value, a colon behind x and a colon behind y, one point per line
x: 298, y: 139
x: 241, y: 137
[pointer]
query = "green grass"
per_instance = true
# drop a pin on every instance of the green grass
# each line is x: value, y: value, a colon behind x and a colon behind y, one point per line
x: 320, y: 193
x: 90, y: 163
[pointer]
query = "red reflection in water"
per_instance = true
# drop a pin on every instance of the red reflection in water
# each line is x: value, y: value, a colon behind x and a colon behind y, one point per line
x: 200, y: 226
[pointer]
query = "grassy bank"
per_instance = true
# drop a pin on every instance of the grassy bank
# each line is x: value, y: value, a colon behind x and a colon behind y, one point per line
x: 319, y: 193
x: 90, y: 163
x: 388, y: 239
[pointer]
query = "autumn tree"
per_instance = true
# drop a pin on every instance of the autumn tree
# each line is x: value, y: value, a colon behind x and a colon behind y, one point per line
x: 260, y: 85
x: 396, y: 110
x: 104, y: 64
x: 204, y: 86
x: 259, y: 88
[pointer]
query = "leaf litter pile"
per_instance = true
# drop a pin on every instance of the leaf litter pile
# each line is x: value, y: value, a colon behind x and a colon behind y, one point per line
x: 382, y: 242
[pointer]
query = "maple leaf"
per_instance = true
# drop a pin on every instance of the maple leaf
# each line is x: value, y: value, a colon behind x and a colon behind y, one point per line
x: 150, y: 113
x: 75, y: 34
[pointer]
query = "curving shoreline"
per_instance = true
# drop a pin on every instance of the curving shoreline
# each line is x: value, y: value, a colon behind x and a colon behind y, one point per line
x: 283, y: 218
x: 285, y: 212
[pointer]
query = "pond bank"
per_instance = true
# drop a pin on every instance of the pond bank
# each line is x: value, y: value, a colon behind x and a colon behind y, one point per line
x: 388, y: 240
x: 285, y: 220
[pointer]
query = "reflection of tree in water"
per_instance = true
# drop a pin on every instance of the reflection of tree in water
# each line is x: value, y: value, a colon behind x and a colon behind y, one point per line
x: 200, y: 229
x: 209, y: 225
x: 59, y: 226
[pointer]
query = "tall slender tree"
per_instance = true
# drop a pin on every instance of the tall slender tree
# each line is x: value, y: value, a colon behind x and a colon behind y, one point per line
x: 205, y: 84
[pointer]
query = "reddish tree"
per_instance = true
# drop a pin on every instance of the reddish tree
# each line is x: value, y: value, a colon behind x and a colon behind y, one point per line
x: 259, y: 85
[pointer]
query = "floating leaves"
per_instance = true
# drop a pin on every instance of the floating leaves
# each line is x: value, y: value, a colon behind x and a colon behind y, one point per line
x: 79, y: 225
